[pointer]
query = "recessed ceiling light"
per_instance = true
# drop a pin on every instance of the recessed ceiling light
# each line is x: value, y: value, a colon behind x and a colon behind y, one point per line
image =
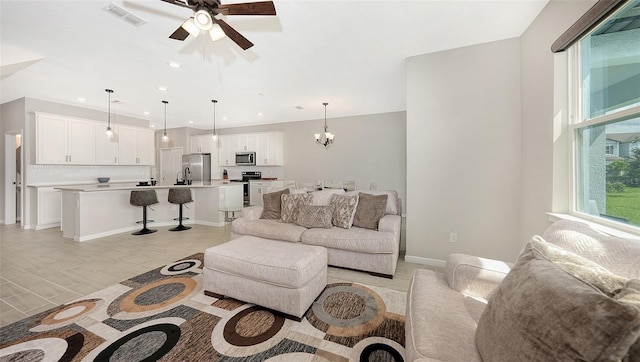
x: 299, y: 107
x: 153, y: 126
x: 224, y: 118
x: 147, y: 113
x: 259, y: 113
x: 162, y: 89
x: 260, y: 93
x: 81, y: 99
x: 175, y: 65
x: 190, y: 122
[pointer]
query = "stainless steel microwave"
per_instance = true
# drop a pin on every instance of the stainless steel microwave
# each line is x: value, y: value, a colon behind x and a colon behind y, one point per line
x: 245, y: 158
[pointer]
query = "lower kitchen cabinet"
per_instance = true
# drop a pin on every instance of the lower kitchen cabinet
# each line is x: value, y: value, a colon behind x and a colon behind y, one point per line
x: 49, y: 208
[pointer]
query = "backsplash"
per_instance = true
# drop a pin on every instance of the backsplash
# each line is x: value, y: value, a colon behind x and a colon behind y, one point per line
x: 44, y: 174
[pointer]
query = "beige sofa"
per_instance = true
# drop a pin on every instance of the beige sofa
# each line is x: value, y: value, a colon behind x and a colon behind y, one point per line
x: 374, y: 251
x: 448, y: 318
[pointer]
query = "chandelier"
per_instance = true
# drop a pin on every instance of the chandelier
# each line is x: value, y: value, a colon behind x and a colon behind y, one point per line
x: 325, y: 139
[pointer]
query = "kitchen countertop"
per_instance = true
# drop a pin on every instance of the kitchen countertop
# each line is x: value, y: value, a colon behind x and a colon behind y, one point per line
x: 133, y: 186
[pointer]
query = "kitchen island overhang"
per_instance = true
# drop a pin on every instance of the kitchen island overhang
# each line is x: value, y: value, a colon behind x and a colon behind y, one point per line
x: 97, y: 210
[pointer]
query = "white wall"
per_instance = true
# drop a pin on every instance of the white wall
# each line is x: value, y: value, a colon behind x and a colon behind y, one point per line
x: 538, y: 112
x: 463, y: 152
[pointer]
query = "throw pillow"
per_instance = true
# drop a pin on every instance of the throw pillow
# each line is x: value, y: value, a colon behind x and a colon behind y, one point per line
x: 369, y: 211
x: 291, y: 205
x: 541, y: 312
x: 272, y: 205
x: 315, y: 216
x: 345, y: 210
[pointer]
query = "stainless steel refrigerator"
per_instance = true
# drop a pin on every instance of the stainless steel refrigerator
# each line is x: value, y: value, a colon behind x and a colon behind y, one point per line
x: 196, y: 167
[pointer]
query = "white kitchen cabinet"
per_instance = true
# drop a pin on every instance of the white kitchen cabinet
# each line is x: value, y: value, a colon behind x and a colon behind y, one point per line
x: 246, y: 143
x: 146, y: 147
x: 106, y: 148
x: 136, y: 146
x: 49, y: 208
x: 269, y: 150
x: 202, y: 144
x: 227, y: 149
x: 63, y: 140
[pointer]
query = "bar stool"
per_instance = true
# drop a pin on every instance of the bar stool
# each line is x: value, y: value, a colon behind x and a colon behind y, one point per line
x: 180, y: 196
x: 143, y: 198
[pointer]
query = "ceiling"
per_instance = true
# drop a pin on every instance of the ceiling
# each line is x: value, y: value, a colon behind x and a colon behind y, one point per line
x: 350, y: 54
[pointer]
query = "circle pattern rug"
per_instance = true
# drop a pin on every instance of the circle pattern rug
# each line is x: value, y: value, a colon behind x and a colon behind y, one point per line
x: 164, y: 315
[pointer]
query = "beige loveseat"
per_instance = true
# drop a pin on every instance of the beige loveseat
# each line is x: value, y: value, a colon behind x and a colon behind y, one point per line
x: 448, y: 318
x: 374, y: 251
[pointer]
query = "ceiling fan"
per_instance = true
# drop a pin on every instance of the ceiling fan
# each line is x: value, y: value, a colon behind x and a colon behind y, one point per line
x: 208, y: 17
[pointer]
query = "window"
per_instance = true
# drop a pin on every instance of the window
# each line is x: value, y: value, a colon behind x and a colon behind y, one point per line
x: 606, y: 120
x: 609, y: 150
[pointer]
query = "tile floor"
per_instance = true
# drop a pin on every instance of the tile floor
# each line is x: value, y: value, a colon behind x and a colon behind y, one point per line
x: 40, y: 269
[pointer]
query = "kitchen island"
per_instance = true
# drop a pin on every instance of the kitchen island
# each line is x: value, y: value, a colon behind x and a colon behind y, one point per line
x: 97, y: 210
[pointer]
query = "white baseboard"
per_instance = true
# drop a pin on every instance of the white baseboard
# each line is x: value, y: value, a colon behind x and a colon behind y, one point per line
x: 48, y: 226
x: 425, y: 261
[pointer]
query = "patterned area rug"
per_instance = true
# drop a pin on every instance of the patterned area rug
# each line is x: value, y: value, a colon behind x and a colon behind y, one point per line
x: 164, y: 315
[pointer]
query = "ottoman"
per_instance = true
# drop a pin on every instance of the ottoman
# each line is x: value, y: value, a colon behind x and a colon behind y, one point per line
x: 284, y: 276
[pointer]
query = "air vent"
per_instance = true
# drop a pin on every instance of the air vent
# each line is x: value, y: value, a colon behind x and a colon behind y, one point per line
x: 124, y: 14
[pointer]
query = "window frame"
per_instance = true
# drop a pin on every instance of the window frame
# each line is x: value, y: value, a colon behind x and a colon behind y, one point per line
x: 576, y: 123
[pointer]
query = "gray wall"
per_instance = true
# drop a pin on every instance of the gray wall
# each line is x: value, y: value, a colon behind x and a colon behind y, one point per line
x: 367, y: 149
x: 11, y: 119
x: 538, y: 113
x: 463, y: 151
x: 480, y: 139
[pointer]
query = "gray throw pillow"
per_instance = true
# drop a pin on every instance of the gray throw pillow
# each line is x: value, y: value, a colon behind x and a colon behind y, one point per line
x: 544, y: 311
x: 291, y: 205
x: 315, y: 216
x: 370, y: 210
x: 272, y: 204
x: 345, y: 210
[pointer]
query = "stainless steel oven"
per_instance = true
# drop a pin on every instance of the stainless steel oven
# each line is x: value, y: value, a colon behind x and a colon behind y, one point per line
x: 246, y: 176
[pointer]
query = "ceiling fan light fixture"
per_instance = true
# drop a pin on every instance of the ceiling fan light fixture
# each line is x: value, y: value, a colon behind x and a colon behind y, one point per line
x: 216, y: 32
x: 190, y: 26
x: 203, y: 19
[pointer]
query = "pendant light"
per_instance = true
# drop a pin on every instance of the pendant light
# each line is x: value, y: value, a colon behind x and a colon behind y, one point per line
x: 325, y: 139
x: 109, y: 131
x: 165, y: 137
x: 214, y: 135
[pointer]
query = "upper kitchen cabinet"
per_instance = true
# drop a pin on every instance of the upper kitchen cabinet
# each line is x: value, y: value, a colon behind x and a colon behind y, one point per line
x: 202, y: 144
x: 106, y: 147
x: 269, y: 151
x: 227, y: 149
x: 136, y: 146
x: 247, y: 142
x: 268, y: 147
x: 64, y: 141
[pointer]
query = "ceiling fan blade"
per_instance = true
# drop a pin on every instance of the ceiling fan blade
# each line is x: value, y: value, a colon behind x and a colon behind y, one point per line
x: 257, y: 8
x: 242, y: 42
x: 179, y: 3
x: 179, y: 34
